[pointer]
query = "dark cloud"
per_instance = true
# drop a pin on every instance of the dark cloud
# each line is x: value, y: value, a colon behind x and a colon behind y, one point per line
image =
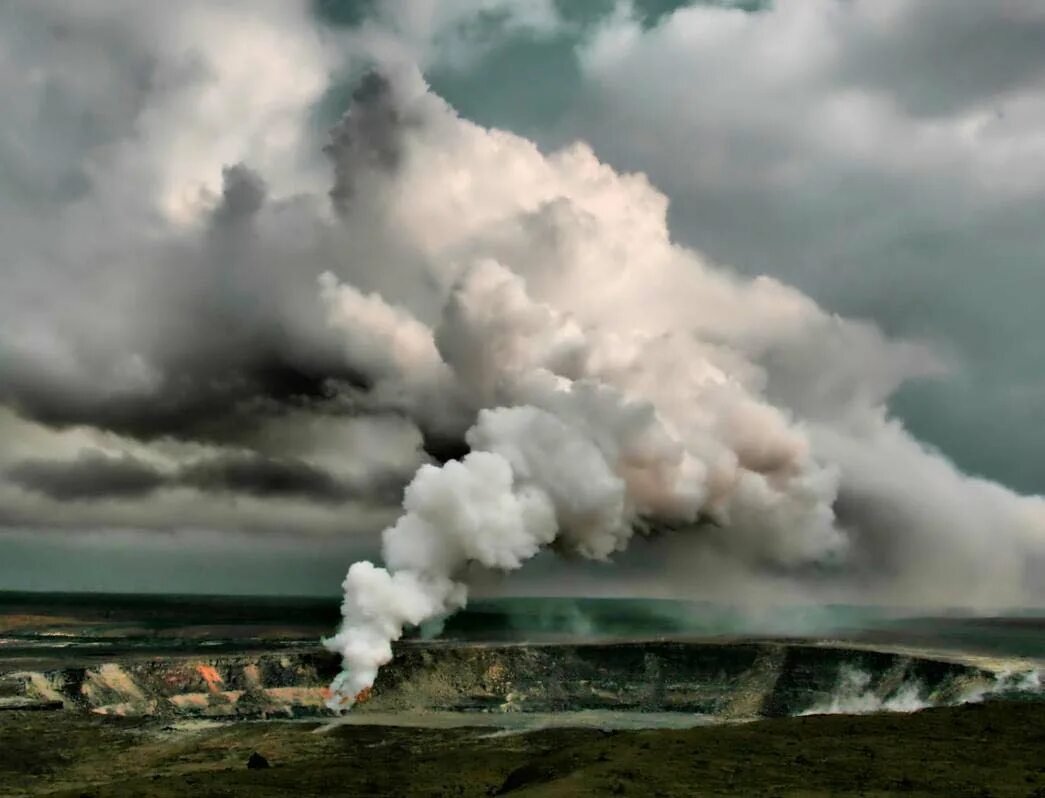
x: 243, y: 195
x: 226, y: 330
x: 442, y: 447
x: 368, y: 135
x: 940, y: 57
x: 220, y: 401
x: 263, y: 476
x: 93, y: 475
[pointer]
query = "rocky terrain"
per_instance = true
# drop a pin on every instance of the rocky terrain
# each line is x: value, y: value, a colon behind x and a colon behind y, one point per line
x: 727, y: 680
x: 987, y: 749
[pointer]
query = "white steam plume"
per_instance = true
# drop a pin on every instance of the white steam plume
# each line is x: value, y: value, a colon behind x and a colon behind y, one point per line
x: 617, y: 382
x: 572, y: 459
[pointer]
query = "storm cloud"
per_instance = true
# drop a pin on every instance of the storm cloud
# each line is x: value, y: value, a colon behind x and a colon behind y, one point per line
x: 92, y: 475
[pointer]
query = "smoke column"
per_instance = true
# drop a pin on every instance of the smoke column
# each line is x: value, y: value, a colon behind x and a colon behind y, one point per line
x: 578, y: 441
x: 576, y: 461
x: 608, y: 381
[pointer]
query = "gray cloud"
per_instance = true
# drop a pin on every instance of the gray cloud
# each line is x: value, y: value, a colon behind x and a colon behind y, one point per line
x: 92, y: 475
x: 270, y: 477
x: 943, y: 57
x: 362, y: 140
x: 96, y: 476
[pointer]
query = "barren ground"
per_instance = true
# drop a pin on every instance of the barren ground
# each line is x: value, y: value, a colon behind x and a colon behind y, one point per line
x: 995, y: 749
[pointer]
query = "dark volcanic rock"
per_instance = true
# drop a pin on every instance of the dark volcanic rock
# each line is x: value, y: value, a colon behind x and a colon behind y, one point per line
x: 257, y: 762
x: 29, y: 705
x: 526, y: 776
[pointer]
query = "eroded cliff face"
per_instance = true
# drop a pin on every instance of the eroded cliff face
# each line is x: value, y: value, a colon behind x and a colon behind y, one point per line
x: 225, y: 686
x: 724, y: 680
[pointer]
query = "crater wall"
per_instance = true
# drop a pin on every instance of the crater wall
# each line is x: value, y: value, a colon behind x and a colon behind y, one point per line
x: 730, y: 680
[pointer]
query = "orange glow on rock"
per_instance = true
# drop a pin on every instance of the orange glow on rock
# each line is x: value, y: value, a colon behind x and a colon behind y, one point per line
x: 210, y: 676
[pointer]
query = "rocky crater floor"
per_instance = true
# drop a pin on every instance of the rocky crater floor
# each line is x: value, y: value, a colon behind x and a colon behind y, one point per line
x: 992, y: 748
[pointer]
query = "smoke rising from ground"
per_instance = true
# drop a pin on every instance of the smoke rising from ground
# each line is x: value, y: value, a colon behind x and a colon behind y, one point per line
x: 854, y: 693
x: 620, y: 384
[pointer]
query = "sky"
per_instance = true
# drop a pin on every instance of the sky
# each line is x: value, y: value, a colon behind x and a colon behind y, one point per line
x: 236, y: 321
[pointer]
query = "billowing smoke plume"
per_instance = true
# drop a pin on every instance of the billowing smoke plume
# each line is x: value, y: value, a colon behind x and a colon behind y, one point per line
x: 617, y: 382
